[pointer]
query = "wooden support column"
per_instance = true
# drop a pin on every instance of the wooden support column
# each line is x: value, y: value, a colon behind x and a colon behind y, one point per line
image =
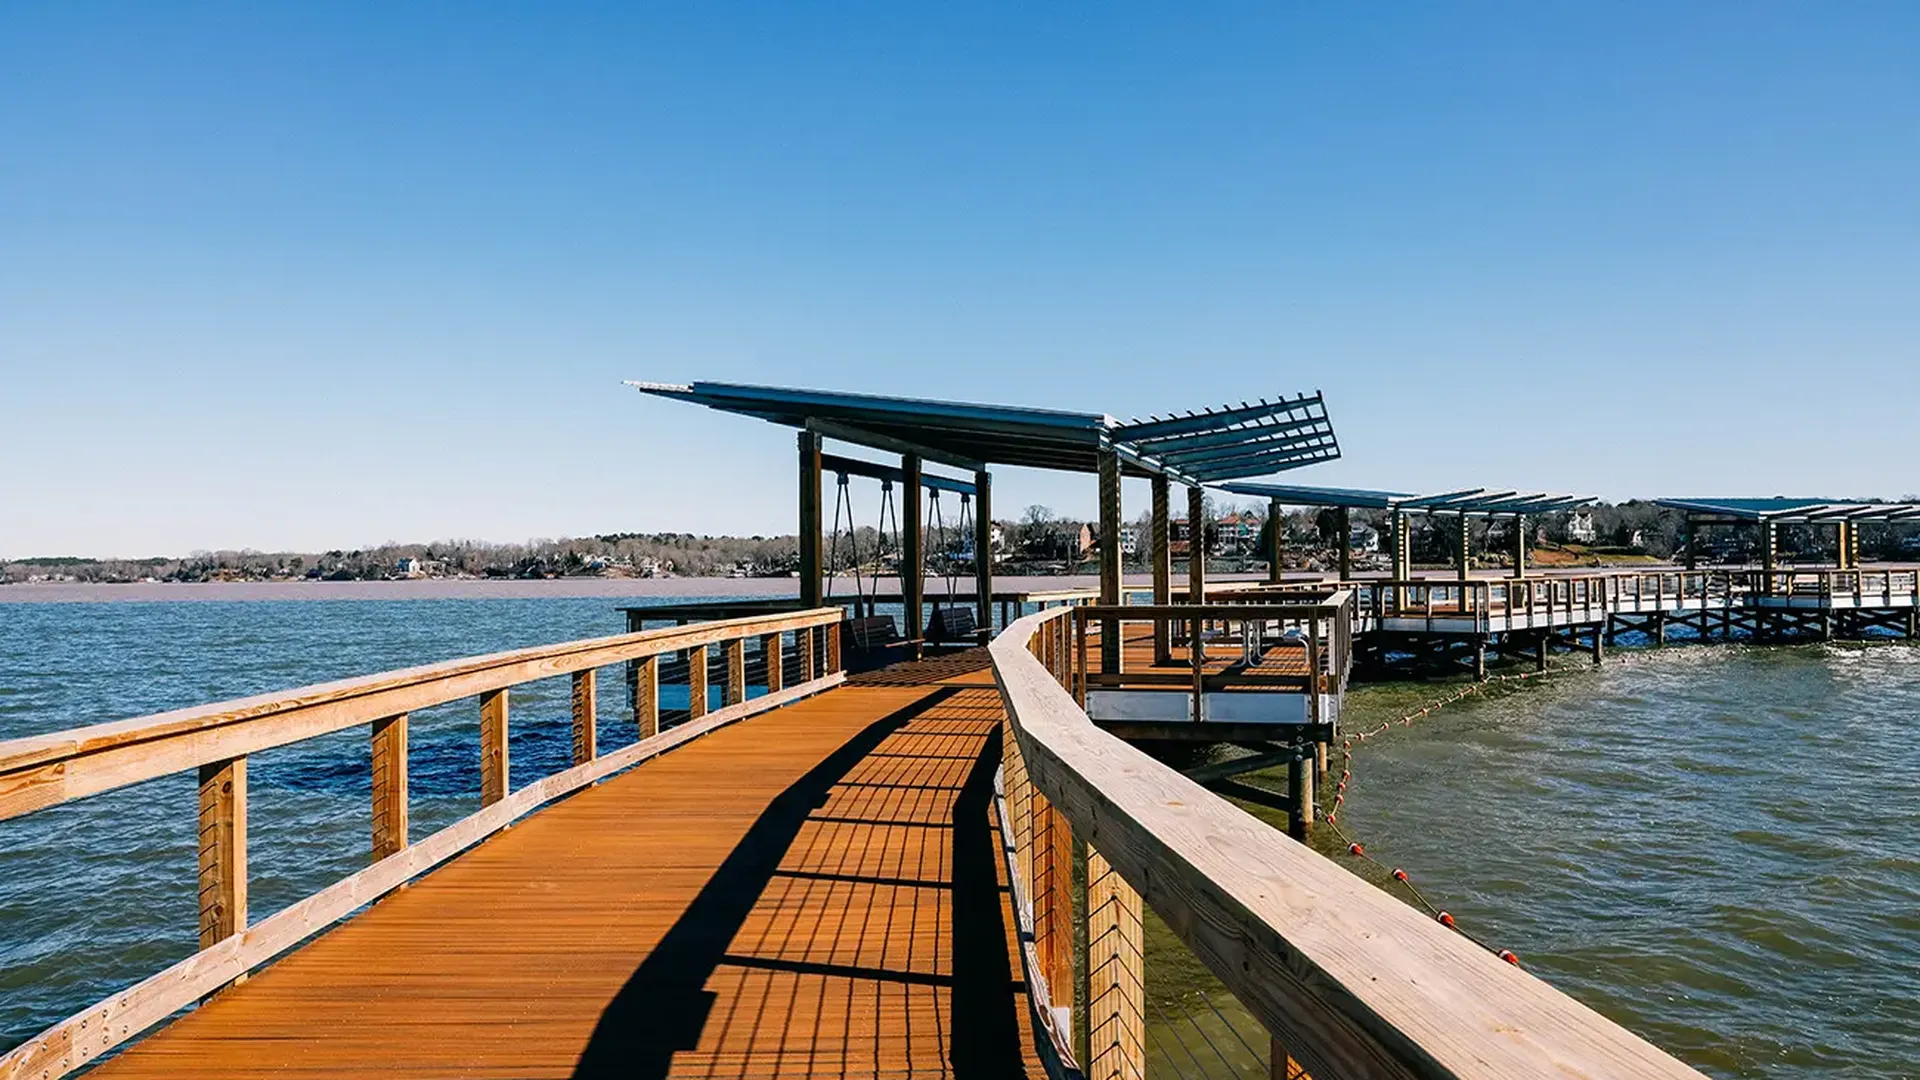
x: 1116, y: 976
x: 1161, y: 538
x: 1480, y: 659
x: 1463, y: 555
x: 223, y: 850
x: 983, y: 554
x: 735, y: 653
x: 696, y: 682
x: 1110, y: 558
x: 773, y: 660
x: 586, y: 717
x: 1520, y: 545
x: 493, y: 747
x: 812, y: 543
x: 1540, y: 651
x: 389, y: 785
x: 913, y: 554
x: 1299, y: 797
x: 1344, y: 525
x: 1692, y: 543
x: 646, y: 696
x: 1196, y: 545
x: 1276, y: 539
x: 1769, y: 553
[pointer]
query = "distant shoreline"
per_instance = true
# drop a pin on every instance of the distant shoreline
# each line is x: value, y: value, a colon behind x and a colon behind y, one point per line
x: 75, y: 592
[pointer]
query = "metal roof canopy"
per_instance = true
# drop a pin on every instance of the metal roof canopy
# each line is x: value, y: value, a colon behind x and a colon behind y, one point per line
x: 1215, y: 444
x: 1781, y: 510
x: 1474, y: 502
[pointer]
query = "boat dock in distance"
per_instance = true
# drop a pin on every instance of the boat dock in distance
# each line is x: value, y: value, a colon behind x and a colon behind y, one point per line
x: 801, y: 838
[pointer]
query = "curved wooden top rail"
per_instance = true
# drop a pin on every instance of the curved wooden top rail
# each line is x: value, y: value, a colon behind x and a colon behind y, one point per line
x: 42, y: 770
x: 1353, y: 981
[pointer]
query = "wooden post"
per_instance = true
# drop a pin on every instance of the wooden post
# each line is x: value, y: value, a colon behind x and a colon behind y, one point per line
x: 1116, y: 976
x: 833, y: 648
x: 646, y: 696
x: 804, y: 640
x: 1276, y: 539
x: 773, y: 660
x: 735, y: 652
x: 586, y: 717
x: 1197, y: 656
x: 1480, y: 659
x: 1110, y: 651
x: 1520, y: 545
x: 1769, y: 554
x: 913, y: 556
x: 696, y: 682
x: 1344, y: 526
x: 493, y: 747
x: 1299, y: 797
x: 1692, y: 544
x: 223, y: 850
x: 1053, y: 898
x: 1463, y: 556
x: 983, y: 554
x: 389, y: 785
x: 812, y: 543
x: 1196, y: 545
x: 1161, y: 539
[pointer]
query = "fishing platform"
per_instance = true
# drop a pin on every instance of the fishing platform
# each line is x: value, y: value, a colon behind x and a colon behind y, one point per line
x: 795, y: 842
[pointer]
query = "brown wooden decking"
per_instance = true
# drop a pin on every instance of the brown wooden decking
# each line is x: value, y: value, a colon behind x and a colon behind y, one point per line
x: 815, y: 891
x: 1282, y: 666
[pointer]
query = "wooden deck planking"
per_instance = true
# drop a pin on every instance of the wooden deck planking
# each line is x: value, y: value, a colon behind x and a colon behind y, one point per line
x: 776, y: 899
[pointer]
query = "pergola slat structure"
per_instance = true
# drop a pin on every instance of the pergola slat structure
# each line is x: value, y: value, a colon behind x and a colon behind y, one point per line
x: 1464, y: 503
x: 1202, y: 447
x: 1768, y: 514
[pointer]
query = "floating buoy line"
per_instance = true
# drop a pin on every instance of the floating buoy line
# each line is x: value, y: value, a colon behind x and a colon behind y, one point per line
x: 1358, y: 850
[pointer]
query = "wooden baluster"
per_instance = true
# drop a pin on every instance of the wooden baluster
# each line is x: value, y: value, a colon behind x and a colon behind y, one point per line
x: 1053, y: 899
x: 646, y: 696
x: 833, y: 648
x: 389, y: 785
x: 1116, y: 977
x: 770, y: 656
x: 735, y: 652
x: 586, y: 712
x: 696, y: 682
x: 493, y: 747
x: 223, y: 850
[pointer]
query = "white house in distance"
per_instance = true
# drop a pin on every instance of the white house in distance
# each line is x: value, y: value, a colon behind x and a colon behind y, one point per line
x: 1580, y: 528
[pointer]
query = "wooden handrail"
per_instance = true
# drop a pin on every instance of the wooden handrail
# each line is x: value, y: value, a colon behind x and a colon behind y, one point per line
x: 1350, y: 981
x: 46, y: 770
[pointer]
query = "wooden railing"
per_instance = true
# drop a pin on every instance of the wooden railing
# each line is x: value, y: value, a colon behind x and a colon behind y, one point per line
x: 1348, y: 981
x: 46, y: 770
x: 1320, y: 623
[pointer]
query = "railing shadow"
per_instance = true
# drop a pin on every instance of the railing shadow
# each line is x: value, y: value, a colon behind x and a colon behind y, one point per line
x: 666, y: 1007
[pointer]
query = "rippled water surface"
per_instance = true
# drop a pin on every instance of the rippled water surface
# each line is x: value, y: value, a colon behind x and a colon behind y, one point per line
x: 1718, y: 846
x: 97, y: 894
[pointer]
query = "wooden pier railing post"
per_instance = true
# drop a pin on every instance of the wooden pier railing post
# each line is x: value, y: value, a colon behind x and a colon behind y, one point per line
x: 1116, y: 1037
x: 646, y: 696
x: 389, y: 785
x: 833, y: 648
x: 586, y: 711
x: 803, y: 640
x: 697, y: 682
x: 493, y: 747
x: 223, y: 850
x: 1052, y: 883
x: 735, y: 652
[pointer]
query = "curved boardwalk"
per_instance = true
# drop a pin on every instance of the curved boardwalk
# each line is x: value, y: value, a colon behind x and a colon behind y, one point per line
x: 817, y: 891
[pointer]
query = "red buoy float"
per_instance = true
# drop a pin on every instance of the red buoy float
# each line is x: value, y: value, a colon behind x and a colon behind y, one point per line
x: 1507, y: 955
x: 1355, y: 849
x: 1445, y: 920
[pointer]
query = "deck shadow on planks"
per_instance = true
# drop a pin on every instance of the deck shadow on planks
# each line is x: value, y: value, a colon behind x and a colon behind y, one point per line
x: 664, y: 1007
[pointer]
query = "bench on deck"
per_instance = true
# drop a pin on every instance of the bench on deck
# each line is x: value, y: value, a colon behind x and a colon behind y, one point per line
x: 953, y: 625
x: 873, y: 642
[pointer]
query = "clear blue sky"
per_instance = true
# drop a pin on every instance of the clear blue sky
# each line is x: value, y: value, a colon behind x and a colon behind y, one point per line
x: 305, y: 276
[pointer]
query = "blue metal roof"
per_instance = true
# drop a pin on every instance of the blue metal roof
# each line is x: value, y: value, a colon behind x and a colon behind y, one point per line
x: 1472, y: 501
x: 1198, y: 447
x: 1782, y: 509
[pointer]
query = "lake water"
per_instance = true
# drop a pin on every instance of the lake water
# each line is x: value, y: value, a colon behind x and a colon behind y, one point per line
x: 1714, y: 845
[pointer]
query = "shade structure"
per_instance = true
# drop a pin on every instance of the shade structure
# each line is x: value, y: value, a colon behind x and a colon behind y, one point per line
x: 1784, y: 511
x: 1473, y: 502
x: 1204, y: 446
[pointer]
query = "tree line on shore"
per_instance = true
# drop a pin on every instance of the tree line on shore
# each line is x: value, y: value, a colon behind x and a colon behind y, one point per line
x: 1039, y: 541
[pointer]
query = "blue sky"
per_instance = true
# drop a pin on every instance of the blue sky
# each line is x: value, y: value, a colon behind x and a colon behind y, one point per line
x: 307, y: 276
